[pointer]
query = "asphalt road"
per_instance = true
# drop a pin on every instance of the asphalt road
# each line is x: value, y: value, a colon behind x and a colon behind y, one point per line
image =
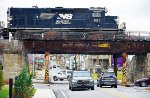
x: 61, y: 90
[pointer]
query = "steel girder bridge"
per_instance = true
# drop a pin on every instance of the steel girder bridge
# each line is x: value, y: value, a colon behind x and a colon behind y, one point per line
x: 116, y: 43
x: 95, y: 42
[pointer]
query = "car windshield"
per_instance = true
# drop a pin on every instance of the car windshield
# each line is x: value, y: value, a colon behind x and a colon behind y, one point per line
x: 62, y: 72
x: 109, y: 74
x: 81, y: 74
x: 69, y: 72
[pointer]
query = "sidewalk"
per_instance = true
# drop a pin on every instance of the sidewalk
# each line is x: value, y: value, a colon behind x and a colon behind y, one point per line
x: 43, y: 91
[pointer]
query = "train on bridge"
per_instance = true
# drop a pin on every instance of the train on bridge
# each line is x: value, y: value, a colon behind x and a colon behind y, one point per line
x: 61, y: 23
x: 64, y: 23
x: 61, y: 18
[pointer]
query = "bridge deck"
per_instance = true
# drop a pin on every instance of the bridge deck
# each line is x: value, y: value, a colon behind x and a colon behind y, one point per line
x: 87, y: 47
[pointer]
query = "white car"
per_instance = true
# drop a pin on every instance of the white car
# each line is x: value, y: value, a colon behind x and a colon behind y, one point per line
x: 62, y: 75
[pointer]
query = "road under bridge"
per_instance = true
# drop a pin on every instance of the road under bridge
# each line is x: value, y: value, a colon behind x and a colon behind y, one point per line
x: 115, y: 48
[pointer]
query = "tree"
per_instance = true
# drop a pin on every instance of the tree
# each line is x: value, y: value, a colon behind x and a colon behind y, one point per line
x: 23, y: 84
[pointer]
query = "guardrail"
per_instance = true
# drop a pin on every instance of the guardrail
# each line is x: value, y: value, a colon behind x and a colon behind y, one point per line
x: 97, y: 35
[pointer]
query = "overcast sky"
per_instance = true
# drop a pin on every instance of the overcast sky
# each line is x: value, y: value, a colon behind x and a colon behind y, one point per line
x: 136, y: 13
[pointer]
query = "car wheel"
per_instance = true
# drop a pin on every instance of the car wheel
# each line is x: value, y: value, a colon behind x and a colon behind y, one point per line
x: 97, y: 84
x: 115, y: 86
x: 68, y: 77
x: 143, y: 84
x: 100, y: 85
x: 55, y: 78
x: 72, y: 89
x: 61, y: 79
x: 92, y: 88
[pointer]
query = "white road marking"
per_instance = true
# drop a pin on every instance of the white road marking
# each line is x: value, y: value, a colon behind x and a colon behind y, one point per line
x: 63, y: 93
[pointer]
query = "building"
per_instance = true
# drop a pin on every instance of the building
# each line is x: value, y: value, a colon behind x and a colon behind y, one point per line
x: 102, y: 60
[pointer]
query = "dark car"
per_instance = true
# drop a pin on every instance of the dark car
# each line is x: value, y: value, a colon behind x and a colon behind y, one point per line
x: 143, y: 81
x: 81, y: 79
x: 107, y: 79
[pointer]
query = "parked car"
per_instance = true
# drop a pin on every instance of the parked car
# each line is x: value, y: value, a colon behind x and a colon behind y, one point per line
x: 143, y: 81
x: 107, y: 79
x: 62, y: 75
x: 81, y: 79
x: 68, y: 73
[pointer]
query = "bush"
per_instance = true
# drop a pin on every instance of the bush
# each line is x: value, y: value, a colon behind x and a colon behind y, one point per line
x: 1, y: 79
x: 23, y: 84
x: 4, y: 92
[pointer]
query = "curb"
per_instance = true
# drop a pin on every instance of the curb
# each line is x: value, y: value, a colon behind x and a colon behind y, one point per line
x: 147, y: 89
x: 127, y: 85
x: 52, y: 93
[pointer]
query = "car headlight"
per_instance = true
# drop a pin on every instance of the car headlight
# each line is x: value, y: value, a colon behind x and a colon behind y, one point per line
x: 74, y: 80
x: 91, y: 80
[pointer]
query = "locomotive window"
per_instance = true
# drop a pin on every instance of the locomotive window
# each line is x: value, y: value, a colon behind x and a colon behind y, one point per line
x: 96, y: 14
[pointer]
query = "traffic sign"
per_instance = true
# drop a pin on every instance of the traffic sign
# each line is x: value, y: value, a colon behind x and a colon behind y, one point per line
x: 104, y: 45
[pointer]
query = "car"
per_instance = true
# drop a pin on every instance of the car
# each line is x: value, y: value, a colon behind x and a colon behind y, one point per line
x: 143, y: 82
x: 62, y: 75
x: 68, y: 73
x: 107, y: 79
x: 81, y: 79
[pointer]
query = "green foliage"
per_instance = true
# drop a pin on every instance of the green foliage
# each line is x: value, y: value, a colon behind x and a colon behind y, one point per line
x: 23, y: 85
x: 1, y: 77
x: 4, y: 92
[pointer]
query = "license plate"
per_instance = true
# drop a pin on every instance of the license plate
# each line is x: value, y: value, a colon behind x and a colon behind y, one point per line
x: 107, y: 82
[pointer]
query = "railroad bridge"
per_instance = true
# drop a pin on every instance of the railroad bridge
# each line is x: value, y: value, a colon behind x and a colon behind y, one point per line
x: 95, y: 43
x: 81, y: 45
x: 71, y: 31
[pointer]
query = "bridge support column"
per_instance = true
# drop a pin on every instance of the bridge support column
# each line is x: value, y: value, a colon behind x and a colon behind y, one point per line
x: 115, y: 64
x: 124, y: 75
x: 47, y: 61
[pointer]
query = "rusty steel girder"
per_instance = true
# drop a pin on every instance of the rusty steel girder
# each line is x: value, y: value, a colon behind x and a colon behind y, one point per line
x: 87, y: 47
